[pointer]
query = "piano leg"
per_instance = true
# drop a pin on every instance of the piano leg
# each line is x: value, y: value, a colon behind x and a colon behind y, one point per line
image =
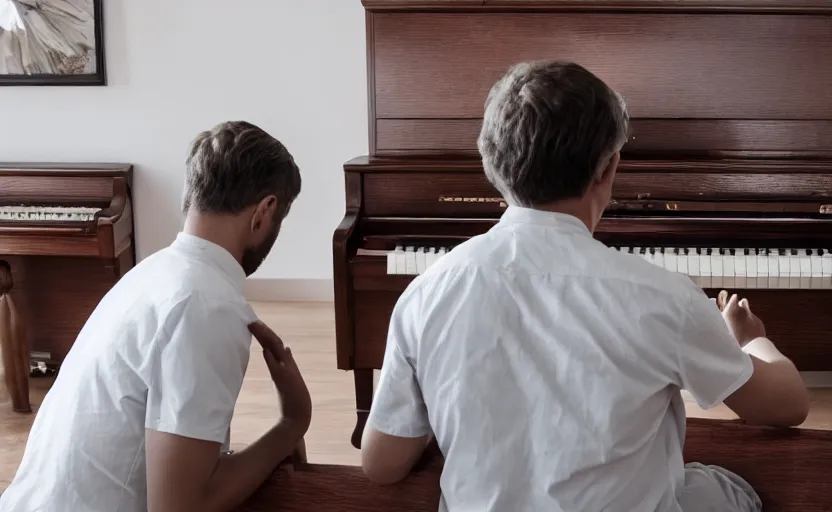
x: 363, y: 401
x: 14, y: 344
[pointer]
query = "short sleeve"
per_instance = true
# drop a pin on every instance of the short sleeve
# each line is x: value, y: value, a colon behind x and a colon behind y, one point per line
x: 712, y: 364
x: 201, y: 360
x: 398, y: 406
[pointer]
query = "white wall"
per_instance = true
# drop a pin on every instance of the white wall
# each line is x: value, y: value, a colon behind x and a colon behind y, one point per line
x: 296, y: 68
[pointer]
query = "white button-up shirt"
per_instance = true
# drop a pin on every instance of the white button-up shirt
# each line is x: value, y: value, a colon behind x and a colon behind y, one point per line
x: 549, y: 367
x: 166, y: 349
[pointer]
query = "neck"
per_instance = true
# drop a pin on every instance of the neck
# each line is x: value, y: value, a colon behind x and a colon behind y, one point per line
x: 581, y: 208
x: 223, y: 230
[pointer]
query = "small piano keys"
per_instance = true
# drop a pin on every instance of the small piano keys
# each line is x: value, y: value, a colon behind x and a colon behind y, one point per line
x: 48, y: 213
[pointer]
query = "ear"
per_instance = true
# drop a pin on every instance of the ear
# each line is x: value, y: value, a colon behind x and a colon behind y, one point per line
x: 263, y: 213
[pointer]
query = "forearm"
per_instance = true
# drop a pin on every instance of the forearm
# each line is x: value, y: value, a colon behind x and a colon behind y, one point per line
x: 784, y: 386
x: 239, y: 474
x: 764, y: 350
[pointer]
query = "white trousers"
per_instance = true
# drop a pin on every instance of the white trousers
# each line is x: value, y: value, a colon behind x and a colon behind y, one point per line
x: 715, y: 489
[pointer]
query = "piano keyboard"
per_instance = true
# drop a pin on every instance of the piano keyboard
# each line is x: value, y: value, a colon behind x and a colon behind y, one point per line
x: 743, y: 267
x: 47, y: 213
x: 707, y: 267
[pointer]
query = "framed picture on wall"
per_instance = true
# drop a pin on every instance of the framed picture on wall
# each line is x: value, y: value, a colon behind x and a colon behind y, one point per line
x: 51, y: 42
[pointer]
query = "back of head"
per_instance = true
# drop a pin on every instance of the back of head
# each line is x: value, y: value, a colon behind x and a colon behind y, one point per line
x: 549, y: 131
x: 234, y: 166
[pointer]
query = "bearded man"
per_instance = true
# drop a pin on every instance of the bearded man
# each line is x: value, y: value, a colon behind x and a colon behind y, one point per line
x: 139, y: 416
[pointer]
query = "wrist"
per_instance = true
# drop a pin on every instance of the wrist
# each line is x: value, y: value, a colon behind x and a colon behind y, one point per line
x: 293, y: 428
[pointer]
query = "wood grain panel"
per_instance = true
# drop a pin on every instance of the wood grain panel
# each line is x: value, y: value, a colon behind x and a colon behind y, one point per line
x: 648, y: 136
x: 62, y: 293
x: 471, y: 195
x: 48, y: 190
x: 437, y: 194
x: 48, y: 245
x: 666, y: 66
x: 372, y: 317
x: 744, y: 6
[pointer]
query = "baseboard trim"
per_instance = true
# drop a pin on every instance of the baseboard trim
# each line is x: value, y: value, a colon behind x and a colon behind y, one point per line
x: 289, y: 290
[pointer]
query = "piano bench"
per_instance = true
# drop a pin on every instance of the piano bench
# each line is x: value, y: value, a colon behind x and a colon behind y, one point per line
x: 787, y: 467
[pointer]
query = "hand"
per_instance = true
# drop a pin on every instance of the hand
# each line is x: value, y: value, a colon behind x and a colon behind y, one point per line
x: 743, y: 324
x: 295, y: 401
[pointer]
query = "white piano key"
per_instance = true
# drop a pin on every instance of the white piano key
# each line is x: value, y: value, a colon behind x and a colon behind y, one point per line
x: 705, y: 268
x: 816, y: 264
x: 717, y: 267
x: 401, y: 265
x: 794, y: 268
x: 410, y: 261
x: 717, y: 262
x: 441, y: 252
x: 693, y: 264
x: 671, y: 260
x: 391, y: 262
x: 762, y: 263
x: 729, y: 264
x: 682, y: 262
x: 751, y: 267
x: 658, y: 257
x: 826, y: 265
x: 420, y: 260
x: 783, y: 268
x: 816, y: 269
x: 773, y: 268
x: 805, y: 268
x: 740, y: 268
x: 430, y: 257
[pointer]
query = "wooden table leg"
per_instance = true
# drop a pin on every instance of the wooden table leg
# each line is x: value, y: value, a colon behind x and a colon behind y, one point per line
x: 14, y: 345
x: 363, y: 401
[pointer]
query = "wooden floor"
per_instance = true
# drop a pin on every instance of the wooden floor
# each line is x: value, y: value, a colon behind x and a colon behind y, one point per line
x: 308, y: 328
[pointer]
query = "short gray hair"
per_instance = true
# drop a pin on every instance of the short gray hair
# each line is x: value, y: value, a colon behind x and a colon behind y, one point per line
x: 549, y: 130
x: 235, y: 165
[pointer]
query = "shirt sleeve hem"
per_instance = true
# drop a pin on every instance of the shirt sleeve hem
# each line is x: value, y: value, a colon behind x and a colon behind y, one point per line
x: 408, y: 432
x: 737, y: 384
x: 191, y: 433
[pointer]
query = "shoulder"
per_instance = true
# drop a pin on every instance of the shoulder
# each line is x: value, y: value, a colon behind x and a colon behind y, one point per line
x: 204, y: 317
x: 660, y: 281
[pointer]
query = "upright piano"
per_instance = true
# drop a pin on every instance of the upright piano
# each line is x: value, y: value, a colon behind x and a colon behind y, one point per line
x: 66, y: 236
x: 726, y: 176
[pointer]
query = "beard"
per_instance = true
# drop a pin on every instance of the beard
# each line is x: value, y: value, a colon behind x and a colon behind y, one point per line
x: 253, y: 257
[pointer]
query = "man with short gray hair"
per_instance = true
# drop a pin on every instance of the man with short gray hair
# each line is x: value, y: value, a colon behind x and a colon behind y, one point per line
x: 139, y: 416
x: 547, y: 366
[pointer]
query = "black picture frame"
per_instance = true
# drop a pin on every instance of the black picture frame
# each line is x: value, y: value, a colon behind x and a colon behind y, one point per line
x: 99, y: 78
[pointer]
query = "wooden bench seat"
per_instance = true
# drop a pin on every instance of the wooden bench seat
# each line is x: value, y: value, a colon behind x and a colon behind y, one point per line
x: 788, y: 467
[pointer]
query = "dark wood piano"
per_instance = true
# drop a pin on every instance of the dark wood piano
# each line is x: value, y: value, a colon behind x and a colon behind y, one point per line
x: 66, y: 236
x: 727, y: 175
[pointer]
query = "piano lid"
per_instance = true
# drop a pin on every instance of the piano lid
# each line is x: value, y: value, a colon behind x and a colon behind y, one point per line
x: 703, y: 78
x: 63, y: 184
x: 676, y: 6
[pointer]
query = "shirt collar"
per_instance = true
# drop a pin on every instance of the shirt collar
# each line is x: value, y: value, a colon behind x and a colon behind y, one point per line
x: 212, y: 253
x: 561, y: 221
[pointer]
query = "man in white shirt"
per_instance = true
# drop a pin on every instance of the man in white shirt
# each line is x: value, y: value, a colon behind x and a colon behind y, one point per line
x: 549, y: 366
x: 141, y: 409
